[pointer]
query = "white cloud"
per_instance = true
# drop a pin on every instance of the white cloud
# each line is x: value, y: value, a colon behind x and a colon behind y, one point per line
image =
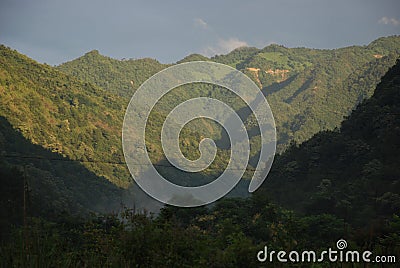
x: 200, y: 23
x: 224, y: 46
x: 391, y: 21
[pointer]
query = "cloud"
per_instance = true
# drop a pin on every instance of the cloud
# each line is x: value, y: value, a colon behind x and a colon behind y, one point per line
x: 224, y: 46
x: 391, y: 21
x: 200, y: 23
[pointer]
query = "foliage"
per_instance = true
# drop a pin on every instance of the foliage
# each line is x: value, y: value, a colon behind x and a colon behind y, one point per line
x: 338, y: 184
x: 309, y: 90
x: 229, y: 235
x: 352, y: 172
x: 116, y: 76
x: 60, y: 113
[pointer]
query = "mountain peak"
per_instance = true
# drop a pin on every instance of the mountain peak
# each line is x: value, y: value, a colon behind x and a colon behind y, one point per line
x: 194, y: 57
x: 93, y: 52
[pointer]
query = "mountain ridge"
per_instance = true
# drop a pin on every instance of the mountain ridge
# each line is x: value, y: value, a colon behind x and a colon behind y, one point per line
x: 350, y: 171
x: 301, y: 84
x: 82, y: 120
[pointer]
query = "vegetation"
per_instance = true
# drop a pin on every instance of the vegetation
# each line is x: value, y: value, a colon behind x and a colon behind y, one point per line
x: 116, y: 76
x: 83, y: 122
x: 229, y: 235
x: 309, y: 90
x: 57, y: 163
x: 353, y: 172
x: 62, y: 114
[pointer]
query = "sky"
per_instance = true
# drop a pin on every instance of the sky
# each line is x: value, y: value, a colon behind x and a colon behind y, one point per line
x: 53, y: 31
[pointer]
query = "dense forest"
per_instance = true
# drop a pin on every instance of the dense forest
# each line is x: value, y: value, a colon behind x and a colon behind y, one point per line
x: 230, y: 233
x: 65, y: 199
x: 78, y: 115
x: 309, y: 90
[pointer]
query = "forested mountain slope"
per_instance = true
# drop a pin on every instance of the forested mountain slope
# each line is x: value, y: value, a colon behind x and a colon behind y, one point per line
x: 308, y: 89
x: 80, y: 121
x: 343, y: 184
x: 117, y: 76
x: 353, y: 172
x: 62, y: 114
x: 59, y: 142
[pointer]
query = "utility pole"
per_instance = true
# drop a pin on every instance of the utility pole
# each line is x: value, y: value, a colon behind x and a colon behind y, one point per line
x: 25, y: 185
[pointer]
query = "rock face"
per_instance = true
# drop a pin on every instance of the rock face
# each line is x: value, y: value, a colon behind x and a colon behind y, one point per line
x: 278, y: 72
x: 279, y: 75
x: 255, y: 71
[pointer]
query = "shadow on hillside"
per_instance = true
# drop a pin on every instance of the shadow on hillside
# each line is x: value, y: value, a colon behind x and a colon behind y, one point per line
x: 56, y: 183
x: 141, y: 201
x: 276, y: 86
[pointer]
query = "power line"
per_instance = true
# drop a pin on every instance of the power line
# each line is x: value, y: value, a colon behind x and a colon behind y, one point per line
x: 139, y: 164
x: 106, y: 162
x: 60, y: 159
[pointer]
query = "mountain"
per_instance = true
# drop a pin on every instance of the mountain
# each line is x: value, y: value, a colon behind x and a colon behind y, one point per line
x: 59, y: 142
x: 51, y: 183
x: 78, y: 116
x: 309, y: 90
x: 63, y: 114
x: 352, y: 172
x: 194, y: 57
x: 343, y: 185
x: 82, y: 123
x: 116, y: 76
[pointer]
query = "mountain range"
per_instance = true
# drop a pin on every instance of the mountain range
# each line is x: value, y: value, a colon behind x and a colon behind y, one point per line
x: 308, y: 89
x: 339, y: 184
x: 73, y: 113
